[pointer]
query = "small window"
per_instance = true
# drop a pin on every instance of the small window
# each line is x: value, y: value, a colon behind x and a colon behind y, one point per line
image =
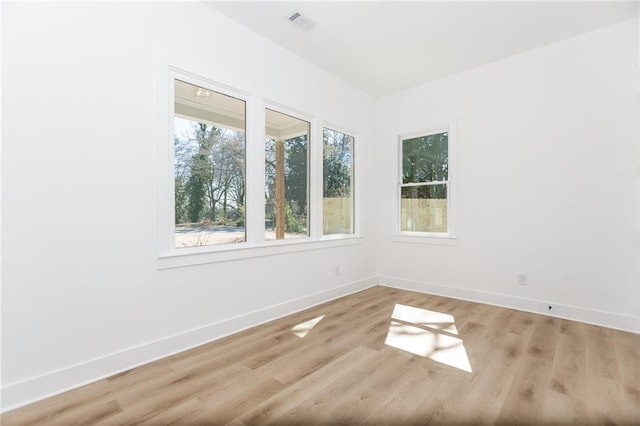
x: 337, y: 172
x: 424, y: 189
x: 286, y: 176
x: 209, y: 167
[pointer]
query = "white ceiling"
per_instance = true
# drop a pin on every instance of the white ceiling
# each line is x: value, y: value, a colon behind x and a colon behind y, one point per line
x: 383, y: 47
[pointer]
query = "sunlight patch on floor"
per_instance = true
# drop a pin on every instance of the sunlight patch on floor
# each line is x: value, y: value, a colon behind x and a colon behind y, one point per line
x: 425, y: 317
x: 303, y: 328
x: 431, y: 335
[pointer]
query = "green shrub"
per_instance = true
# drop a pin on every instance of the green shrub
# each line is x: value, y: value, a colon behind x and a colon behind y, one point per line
x: 295, y: 224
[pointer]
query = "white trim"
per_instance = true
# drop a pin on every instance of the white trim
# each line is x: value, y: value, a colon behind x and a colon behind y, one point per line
x: 442, y: 239
x: 452, y: 191
x: 244, y: 251
x: 340, y: 129
x: 430, y: 129
x: 430, y: 183
x: 315, y: 183
x: 627, y: 323
x: 165, y: 188
x: 36, y: 388
x: 254, y: 173
x: 357, y: 179
x: 451, y: 184
x: 279, y: 108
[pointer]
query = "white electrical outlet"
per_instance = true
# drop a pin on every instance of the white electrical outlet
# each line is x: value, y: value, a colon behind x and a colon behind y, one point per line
x: 337, y: 271
x: 522, y: 279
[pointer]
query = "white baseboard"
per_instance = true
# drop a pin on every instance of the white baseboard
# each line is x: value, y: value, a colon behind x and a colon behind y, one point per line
x: 592, y: 316
x: 15, y: 395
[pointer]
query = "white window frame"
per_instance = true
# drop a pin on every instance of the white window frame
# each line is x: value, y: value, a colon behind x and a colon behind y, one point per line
x: 442, y: 238
x: 354, y: 180
x: 273, y: 106
x: 175, y: 74
x: 255, y: 245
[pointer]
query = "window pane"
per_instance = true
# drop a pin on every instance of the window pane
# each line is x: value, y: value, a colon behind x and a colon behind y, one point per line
x: 286, y: 171
x: 337, y: 166
x: 209, y: 173
x: 424, y: 208
x: 425, y: 158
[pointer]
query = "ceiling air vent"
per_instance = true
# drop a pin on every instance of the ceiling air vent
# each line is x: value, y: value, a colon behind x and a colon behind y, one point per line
x: 302, y: 22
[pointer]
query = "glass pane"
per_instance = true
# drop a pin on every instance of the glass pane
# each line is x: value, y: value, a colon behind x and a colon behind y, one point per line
x: 286, y: 171
x: 209, y: 173
x: 337, y: 167
x: 424, y: 208
x: 425, y: 158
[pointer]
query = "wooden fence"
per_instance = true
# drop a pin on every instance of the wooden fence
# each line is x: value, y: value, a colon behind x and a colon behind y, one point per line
x: 337, y: 216
x: 419, y: 215
x: 424, y: 215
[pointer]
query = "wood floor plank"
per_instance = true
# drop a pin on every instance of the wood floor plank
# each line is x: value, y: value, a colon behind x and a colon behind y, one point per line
x: 525, y: 399
x: 442, y: 406
x: 91, y: 414
x: 467, y: 363
x: 627, y: 358
x: 523, y: 324
x: 370, y: 391
x: 601, y: 355
x: 491, y: 384
x: 404, y: 400
x: 543, y: 341
x: 331, y: 395
x: 569, y: 374
x: 228, y: 405
x: 606, y: 402
x: 295, y: 394
x: 325, y: 333
x: 59, y: 406
x: 335, y: 318
x: 153, y: 401
x: 188, y: 412
x: 564, y: 409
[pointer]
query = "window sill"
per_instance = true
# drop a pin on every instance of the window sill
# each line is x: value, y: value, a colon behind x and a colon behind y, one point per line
x: 200, y: 256
x: 425, y: 238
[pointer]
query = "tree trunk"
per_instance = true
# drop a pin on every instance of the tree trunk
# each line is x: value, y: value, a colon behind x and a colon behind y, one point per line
x: 224, y: 205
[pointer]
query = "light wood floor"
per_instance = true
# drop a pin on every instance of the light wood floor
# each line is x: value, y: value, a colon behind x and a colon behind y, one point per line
x: 526, y: 369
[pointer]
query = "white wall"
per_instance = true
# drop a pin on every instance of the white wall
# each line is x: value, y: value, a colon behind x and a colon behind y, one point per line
x: 548, y: 180
x: 81, y: 293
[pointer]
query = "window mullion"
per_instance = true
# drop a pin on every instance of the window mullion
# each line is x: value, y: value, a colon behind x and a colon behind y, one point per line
x: 315, y: 180
x: 254, y: 204
x: 435, y: 182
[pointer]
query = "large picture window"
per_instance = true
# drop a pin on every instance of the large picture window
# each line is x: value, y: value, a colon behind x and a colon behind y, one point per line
x: 241, y: 176
x: 424, y: 183
x: 209, y: 166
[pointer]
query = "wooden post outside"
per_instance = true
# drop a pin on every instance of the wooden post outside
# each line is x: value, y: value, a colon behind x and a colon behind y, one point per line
x: 281, y: 218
